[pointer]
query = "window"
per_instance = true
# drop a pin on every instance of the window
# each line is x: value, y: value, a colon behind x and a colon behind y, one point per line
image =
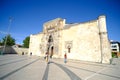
x: 114, y: 49
x: 69, y: 50
x: 114, y: 46
x: 50, y: 39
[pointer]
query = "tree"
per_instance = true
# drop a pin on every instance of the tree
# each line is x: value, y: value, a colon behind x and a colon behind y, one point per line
x: 8, y: 40
x: 26, y: 42
x: 1, y: 43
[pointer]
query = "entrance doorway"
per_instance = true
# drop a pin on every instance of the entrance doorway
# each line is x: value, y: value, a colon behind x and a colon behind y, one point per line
x: 50, y: 45
x: 52, y: 49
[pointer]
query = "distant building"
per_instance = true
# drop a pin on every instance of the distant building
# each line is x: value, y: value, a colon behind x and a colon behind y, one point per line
x: 115, y: 46
x: 17, y: 46
x: 86, y: 41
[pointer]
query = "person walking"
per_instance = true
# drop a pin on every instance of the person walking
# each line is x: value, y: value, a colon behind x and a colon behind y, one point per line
x: 65, y: 58
x: 47, y: 57
x: 22, y: 53
x: 31, y: 54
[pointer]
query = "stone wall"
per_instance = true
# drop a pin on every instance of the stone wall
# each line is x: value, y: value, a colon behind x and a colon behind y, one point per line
x: 83, y: 38
x: 34, y: 46
x: 82, y: 41
x: 14, y: 50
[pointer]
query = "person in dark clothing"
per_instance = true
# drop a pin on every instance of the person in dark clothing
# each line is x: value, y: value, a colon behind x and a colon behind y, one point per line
x: 47, y: 57
x: 22, y: 53
x: 31, y: 54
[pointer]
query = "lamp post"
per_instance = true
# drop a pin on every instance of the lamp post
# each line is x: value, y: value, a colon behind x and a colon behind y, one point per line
x: 10, y: 21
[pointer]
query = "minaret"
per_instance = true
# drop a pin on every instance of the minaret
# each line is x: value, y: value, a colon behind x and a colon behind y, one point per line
x: 104, y: 42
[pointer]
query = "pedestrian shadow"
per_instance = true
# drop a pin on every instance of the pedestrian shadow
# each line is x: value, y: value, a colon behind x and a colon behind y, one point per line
x: 45, y: 76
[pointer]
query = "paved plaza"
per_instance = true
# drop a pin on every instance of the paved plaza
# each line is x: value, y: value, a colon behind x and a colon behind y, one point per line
x: 23, y: 67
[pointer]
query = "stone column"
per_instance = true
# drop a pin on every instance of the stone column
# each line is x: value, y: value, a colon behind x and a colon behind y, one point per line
x: 104, y: 42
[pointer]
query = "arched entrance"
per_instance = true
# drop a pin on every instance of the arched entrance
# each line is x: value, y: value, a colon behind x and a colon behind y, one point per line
x: 50, y: 46
x: 50, y: 39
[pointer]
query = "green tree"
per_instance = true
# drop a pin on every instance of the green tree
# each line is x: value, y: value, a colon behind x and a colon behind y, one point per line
x: 26, y: 42
x: 8, y: 40
x: 1, y: 43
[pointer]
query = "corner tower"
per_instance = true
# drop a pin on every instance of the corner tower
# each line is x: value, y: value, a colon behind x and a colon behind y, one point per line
x: 104, y: 42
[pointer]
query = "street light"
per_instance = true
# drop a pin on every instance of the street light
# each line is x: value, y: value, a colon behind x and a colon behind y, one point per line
x: 10, y: 21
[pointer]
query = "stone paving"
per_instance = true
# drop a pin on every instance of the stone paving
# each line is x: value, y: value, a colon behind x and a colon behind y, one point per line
x: 23, y: 67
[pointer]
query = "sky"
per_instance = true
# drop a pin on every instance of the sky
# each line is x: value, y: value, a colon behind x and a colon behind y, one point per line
x: 28, y: 16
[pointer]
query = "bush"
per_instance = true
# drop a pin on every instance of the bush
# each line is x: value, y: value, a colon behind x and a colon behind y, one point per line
x: 114, y: 55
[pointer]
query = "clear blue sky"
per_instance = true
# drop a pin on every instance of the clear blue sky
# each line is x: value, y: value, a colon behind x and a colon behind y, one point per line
x: 29, y: 15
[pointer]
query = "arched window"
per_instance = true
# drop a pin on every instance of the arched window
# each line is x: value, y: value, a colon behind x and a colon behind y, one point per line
x: 69, y: 49
x: 50, y: 39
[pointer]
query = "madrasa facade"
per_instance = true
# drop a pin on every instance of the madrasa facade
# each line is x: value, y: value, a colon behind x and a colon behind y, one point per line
x: 87, y: 41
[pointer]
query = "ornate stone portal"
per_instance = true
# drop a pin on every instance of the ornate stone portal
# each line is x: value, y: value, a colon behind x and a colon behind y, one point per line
x: 82, y: 41
x: 51, y: 37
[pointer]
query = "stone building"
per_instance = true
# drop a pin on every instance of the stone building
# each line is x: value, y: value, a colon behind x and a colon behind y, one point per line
x: 86, y: 41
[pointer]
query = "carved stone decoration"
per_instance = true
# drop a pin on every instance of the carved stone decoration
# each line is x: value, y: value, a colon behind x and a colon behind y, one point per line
x: 40, y: 46
x: 56, y: 49
x: 58, y: 36
x: 68, y: 44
